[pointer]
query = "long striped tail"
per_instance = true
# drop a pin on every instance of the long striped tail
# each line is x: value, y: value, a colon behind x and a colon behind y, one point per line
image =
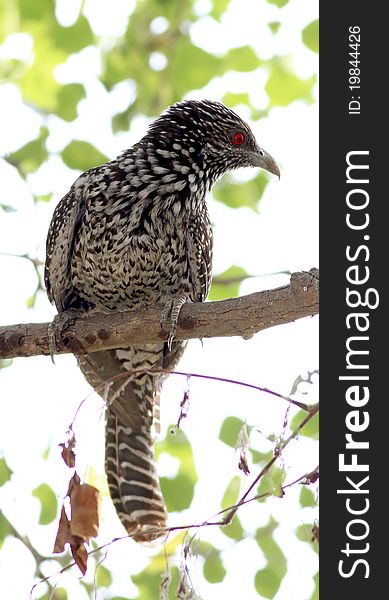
x: 133, y: 481
x: 132, y: 417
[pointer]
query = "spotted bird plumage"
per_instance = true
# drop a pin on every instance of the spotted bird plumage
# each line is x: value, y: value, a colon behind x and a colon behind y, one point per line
x: 135, y: 232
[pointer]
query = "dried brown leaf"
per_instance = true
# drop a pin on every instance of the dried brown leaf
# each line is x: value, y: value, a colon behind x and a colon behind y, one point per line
x: 85, y: 503
x: 311, y: 477
x: 164, y: 586
x: 315, y: 532
x: 243, y: 464
x: 80, y: 555
x: 64, y: 535
x: 184, y: 404
x: 67, y: 452
x: 243, y: 444
x: 73, y: 483
x: 84, y: 522
x: 76, y: 543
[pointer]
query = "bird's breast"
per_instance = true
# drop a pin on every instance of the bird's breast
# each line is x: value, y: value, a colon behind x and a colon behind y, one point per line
x: 117, y: 268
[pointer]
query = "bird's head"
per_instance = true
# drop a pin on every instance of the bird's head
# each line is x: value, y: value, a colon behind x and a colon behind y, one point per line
x: 223, y: 139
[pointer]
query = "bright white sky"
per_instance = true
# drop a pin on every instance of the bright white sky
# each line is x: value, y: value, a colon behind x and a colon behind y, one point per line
x: 38, y: 399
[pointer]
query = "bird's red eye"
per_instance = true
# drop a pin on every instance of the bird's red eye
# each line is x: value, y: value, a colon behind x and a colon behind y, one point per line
x: 238, y: 138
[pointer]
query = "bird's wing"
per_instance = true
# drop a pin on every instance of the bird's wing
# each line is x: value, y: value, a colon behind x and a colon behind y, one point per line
x: 199, y: 247
x: 59, y: 247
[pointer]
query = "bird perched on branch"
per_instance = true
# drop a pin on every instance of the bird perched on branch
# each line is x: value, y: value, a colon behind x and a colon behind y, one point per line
x: 134, y: 232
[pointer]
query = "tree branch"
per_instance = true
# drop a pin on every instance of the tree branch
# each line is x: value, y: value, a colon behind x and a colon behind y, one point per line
x: 242, y: 316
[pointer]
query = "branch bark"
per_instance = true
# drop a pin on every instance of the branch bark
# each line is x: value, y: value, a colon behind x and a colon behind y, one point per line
x: 242, y: 316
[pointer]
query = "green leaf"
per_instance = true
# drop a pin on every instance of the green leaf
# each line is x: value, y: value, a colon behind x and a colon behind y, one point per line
x: 48, y: 501
x: 148, y: 582
x: 219, y: 7
x: 307, y: 497
x: 37, y: 83
x: 234, y: 530
x: 315, y: 594
x: 103, y: 577
x: 278, y: 478
x: 229, y: 431
x: 284, y: 86
x: 10, y: 68
x: 5, y: 472
x: 7, y: 208
x: 304, y: 533
x: 279, y: 3
x: 268, y: 580
x: 149, y: 579
x: 82, y: 155
x: 43, y: 197
x: 5, y: 362
x: 88, y: 587
x: 203, y: 67
x: 227, y: 284
x: 30, y: 302
x: 274, y: 26
x: 271, y: 483
x: 68, y: 99
x: 59, y: 594
x: 311, y: 429
x: 178, y: 492
x: 232, y: 492
x: 115, y: 68
x: 242, y: 59
x: 46, y: 452
x: 5, y: 528
x: 295, y: 385
x: 177, y: 445
x: 74, y: 38
x: 32, y: 155
x: 310, y: 35
x: 129, y: 58
x: 257, y: 457
x: 121, y: 121
x: 213, y: 569
x: 264, y: 539
x: 37, y: 10
x: 204, y: 548
x: 237, y: 194
x: 233, y: 99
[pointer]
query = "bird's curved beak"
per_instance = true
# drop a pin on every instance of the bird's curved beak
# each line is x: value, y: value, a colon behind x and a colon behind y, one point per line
x: 265, y: 161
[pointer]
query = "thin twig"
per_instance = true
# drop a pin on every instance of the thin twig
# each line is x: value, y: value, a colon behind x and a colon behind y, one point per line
x: 231, y: 510
x: 169, y: 530
x: 252, y: 386
x: 313, y: 410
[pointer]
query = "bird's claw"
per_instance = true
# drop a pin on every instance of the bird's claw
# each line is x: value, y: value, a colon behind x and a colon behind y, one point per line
x: 172, y: 308
x: 56, y: 328
x: 170, y: 338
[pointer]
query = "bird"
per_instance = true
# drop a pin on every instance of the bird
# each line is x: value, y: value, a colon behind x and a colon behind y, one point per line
x: 135, y: 232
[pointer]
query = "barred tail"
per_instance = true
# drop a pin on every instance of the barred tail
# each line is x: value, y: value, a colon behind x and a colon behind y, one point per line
x: 133, y: 481
x: 132, y: 416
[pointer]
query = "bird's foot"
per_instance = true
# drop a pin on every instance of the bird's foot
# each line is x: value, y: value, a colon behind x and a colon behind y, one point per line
x: 172, y: 309
x: 58, y: 326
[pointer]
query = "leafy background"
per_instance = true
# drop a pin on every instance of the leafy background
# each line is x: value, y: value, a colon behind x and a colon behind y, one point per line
x: 79, y: 82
